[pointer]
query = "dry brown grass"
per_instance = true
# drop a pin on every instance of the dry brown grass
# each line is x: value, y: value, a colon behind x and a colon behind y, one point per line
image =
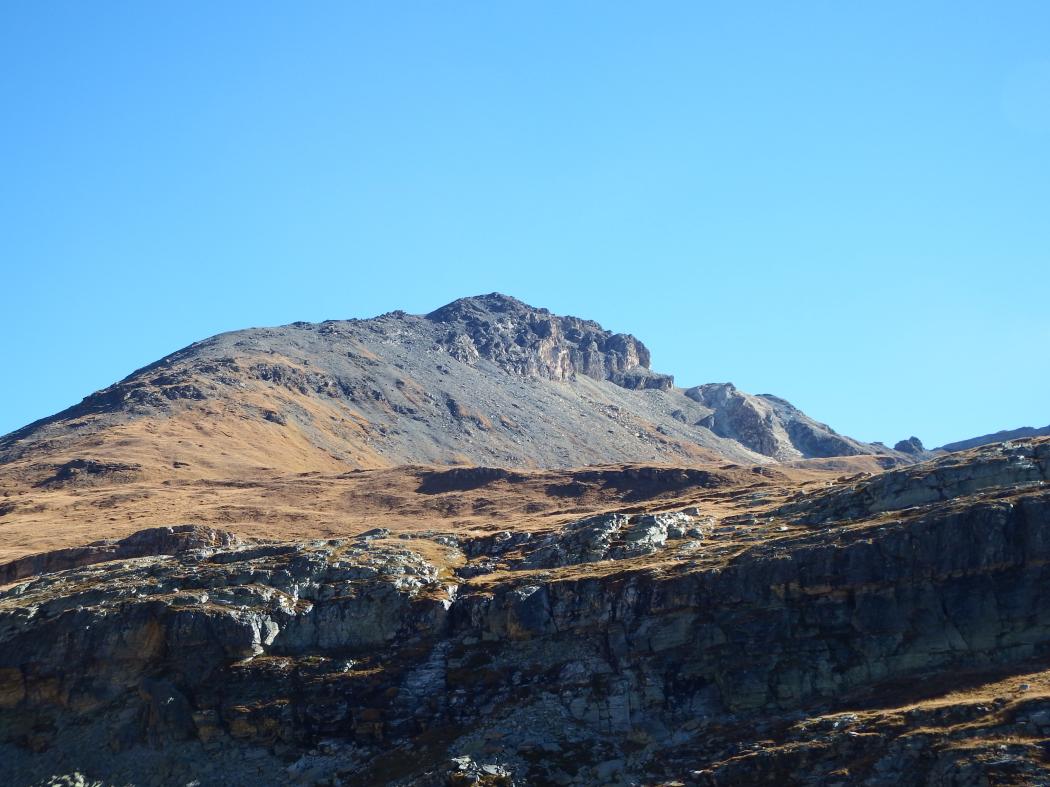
x: 262, y: 503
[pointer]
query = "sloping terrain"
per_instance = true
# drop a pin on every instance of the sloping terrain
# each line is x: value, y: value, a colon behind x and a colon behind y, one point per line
x: 733, y: 626
x: 482, y: 381
x: 996, y: 437
x: 319, y: 505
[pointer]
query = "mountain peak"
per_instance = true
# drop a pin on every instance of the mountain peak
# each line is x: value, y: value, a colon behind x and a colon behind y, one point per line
x: 529, y: 341
x: 491, y: 303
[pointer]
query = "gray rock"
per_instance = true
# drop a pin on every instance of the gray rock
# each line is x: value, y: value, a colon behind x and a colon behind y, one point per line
x: 770, y: 425
x: 486, y: 380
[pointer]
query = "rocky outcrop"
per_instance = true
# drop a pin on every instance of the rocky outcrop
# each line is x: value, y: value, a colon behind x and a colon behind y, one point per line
x: 154, y: 541
x: 913, y: 445
x: 526, y: 341
x: 629, y: 647
x: 986, y: 471
x: 458, y: 479
x: 769, y: 425
x: 87, y: 472
x: 615, y: 536
x: 914, y: 448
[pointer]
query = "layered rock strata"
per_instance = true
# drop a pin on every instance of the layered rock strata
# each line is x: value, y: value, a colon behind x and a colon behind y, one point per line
x: 624, y: 648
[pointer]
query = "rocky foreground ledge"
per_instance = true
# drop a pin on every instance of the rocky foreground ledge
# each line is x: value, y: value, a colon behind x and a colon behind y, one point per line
x: 890, y: 629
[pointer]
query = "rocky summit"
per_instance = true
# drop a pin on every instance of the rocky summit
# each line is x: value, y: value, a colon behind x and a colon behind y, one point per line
x: 490, y: 546
x: 484, y: 380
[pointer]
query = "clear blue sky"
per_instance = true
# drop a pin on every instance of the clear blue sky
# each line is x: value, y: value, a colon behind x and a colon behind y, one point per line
x: 844, y: 204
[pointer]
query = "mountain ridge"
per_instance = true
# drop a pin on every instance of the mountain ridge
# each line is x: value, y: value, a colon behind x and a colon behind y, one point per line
x: 996, y: 437
x: 482, y: 380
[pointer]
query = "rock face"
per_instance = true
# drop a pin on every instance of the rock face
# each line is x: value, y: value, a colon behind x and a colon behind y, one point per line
x: 914, y: 448
x: 1004, y: 466
x: 628, y: 647
x: 154, y: 541
x: 526, y: 341
x: 482, y: 381
x: 913, y: 445
x: 769, y: 425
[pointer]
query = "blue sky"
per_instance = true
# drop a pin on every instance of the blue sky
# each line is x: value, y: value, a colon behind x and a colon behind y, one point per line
x: 844, y: 204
